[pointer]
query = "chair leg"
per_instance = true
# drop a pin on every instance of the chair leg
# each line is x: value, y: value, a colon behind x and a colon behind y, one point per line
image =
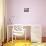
x: 25, y: 36
x: 12, y: 37
x: 15, y: 38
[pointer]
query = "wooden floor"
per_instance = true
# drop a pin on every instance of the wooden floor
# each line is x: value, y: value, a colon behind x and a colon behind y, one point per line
x: 23, y: 43
x: 18, y: 43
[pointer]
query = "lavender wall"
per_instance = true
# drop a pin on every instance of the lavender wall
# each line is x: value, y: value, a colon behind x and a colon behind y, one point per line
x: 36, y: 14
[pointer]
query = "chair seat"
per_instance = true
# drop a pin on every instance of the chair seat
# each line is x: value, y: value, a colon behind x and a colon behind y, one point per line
x: 18, y: 33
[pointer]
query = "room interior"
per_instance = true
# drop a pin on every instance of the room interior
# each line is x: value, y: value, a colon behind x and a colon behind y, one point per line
x: 31, y: 14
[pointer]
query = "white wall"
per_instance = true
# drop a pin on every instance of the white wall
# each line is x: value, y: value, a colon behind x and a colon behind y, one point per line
x: 37, y: 14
